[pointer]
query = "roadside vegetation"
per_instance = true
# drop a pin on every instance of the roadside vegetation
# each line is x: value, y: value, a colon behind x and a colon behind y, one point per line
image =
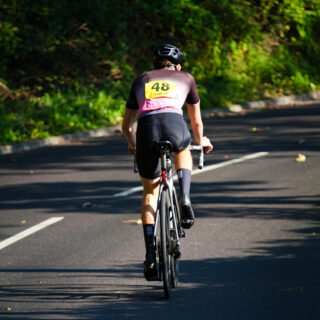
x: 67, y: 66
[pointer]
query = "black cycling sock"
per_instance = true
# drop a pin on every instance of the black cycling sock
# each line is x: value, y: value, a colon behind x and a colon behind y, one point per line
x: 184, y: 177
x: 148, y: 237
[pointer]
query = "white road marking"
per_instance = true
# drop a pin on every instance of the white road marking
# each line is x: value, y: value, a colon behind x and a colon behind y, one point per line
x: 205, y: 169
x: 230, y: 162
x: 128, y: 192
x: 29, y: 231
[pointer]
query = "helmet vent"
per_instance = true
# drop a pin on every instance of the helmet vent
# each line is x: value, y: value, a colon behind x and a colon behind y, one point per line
x: 169, y: 52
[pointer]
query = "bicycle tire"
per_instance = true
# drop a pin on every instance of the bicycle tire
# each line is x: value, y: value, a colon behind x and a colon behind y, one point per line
x: 164, y: 239
x: 174, y: 261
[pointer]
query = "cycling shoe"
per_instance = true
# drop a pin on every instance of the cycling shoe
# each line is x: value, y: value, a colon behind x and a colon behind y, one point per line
x: 187, y: 215
x: 150, y: 268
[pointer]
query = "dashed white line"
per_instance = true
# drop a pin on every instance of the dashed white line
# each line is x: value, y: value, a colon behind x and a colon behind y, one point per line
x: 205, y: 169
x: 29, y: 231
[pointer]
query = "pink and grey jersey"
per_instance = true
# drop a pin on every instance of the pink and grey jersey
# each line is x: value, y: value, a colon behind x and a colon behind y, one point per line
x: 162, y: 90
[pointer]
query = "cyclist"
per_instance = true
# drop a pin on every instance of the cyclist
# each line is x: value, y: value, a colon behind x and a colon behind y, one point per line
x: 156, y: 99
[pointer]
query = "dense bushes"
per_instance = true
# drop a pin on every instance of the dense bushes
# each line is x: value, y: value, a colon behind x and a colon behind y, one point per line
x: 67, y: 66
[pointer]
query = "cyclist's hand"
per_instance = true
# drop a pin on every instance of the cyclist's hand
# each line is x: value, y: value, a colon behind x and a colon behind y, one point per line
x: 132, y: 149
x: 206, y: 144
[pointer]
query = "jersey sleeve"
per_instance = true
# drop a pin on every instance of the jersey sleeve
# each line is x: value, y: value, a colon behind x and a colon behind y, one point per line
x: 192, y: 97
x: 132, y: 102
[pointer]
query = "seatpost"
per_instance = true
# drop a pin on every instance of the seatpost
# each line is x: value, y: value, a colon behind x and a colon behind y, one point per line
x: 163, y: 162
x: 163, y: 165
x: 163, y: 156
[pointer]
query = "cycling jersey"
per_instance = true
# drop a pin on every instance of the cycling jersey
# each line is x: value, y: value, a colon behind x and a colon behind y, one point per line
x: 162, y: 90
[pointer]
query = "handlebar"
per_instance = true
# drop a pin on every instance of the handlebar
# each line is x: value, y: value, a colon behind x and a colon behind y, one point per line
x: 200, y: 151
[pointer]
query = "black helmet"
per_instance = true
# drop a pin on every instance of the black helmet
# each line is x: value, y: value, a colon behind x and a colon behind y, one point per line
x: 170, y: 52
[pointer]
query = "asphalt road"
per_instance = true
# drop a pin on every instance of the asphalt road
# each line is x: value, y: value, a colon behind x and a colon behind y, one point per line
x: 252, y: 254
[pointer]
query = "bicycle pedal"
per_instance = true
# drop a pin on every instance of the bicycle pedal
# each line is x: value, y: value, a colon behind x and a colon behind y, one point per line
x: 177, y: 254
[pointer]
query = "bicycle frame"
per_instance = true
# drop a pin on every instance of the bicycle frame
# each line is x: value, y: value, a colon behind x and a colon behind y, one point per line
x: 166, y: 183
x: 167, y: 228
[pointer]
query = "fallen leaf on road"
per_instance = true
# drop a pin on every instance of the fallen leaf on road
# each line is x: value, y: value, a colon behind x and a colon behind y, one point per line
x: 301, y: 158
x: 136, y: 221
x: 301, y: 141
x: 254, y: 129
x: 206, y: 268
x: 86, y: 204
x: 7, y: 308
x: 23, y: 221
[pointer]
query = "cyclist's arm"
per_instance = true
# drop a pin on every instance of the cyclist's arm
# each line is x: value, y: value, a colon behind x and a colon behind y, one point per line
x: 197, y: 126
x: 128, y: 128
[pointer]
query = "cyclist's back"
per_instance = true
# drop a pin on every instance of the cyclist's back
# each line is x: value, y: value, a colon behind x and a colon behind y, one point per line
x: 162, y: 90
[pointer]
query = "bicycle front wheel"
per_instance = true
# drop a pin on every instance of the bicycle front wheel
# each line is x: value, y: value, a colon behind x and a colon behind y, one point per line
x: 164, y: 240
x: 174, y: 238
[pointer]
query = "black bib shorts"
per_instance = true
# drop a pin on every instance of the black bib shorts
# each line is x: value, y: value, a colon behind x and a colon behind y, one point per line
x: 155, y: 127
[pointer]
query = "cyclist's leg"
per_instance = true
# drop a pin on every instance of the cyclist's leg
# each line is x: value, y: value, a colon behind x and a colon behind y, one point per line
x: 183, y: 159
x: 148, y: 209
x: 149, y: 199
x: 176, y: 130
x: 183, y: 163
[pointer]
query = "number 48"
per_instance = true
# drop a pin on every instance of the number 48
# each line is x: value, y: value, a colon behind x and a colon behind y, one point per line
x: 164, y: 86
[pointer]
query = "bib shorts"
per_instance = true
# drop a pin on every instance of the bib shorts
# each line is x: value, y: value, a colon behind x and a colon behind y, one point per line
x: 156, y: 127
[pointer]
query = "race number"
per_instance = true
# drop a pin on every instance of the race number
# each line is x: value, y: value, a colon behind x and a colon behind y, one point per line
x: 161, y: 88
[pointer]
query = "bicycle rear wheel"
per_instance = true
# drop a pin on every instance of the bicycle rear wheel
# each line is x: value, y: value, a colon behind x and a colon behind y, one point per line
x: 164, y: 241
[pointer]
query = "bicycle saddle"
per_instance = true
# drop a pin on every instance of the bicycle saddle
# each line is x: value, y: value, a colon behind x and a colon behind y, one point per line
x: 164, y: 145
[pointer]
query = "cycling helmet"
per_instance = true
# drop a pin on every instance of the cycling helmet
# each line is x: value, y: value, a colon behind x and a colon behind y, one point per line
x: 169, y: 52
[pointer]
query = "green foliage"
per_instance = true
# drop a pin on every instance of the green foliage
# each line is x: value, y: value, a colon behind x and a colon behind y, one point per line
x: 69, y: 64
x: 58, y: 113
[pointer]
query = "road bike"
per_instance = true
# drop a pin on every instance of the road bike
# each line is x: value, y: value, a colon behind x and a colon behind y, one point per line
x: 168, y: 230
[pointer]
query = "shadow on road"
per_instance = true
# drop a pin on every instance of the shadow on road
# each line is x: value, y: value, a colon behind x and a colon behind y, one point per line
x: 254, y: 287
